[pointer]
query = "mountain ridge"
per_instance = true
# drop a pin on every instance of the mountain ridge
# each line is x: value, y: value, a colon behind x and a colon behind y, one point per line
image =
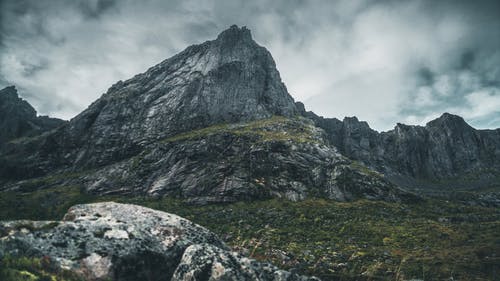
x: 419, y: 156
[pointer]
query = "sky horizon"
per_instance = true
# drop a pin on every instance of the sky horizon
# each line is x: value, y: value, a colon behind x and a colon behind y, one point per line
x: 385, y: 62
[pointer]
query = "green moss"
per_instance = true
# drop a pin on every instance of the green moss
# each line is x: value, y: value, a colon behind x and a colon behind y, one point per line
x: 45, y: 204
x: 363, y: 169
x: 32, y: 269
x: 51, y: 180
x: 270, y: 129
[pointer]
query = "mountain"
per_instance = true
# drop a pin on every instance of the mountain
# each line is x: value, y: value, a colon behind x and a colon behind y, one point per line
x: 214, y: 123
x: 19, y: 119
x: 445, y: 152
x: 111, y: 241
x: 227, y: 80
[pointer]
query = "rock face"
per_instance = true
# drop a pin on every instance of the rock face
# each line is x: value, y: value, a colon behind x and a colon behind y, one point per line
x: 111, y: 241
x: 445, y: 149
x: 18, y: 118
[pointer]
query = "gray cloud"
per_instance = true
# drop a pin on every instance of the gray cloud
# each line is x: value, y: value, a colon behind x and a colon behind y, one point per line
x: 384, y: 61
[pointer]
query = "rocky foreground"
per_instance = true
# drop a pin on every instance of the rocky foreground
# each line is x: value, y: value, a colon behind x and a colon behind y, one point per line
x: 112, y: 241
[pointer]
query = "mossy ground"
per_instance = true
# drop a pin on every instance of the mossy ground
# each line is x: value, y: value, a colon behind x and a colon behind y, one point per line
x: 362, y: 240
x: 276, y: 128
x: 32, y: 269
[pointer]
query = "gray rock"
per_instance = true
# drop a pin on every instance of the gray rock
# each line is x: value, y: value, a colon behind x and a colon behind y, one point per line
x: 114, y: 241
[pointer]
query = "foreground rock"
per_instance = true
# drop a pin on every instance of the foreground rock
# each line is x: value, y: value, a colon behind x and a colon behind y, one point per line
x: 114, y: 241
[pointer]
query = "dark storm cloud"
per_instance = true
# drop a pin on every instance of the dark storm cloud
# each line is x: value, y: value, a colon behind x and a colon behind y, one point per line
x: 384, y: 61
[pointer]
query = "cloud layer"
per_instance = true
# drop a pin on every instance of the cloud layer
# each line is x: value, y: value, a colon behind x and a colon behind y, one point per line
x: 383, y: 61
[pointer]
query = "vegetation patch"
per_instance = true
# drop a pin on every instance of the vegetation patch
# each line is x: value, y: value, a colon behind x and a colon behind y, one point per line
x: 276, y: 128
x: 33, y: 269
x: 361, y: 240
x: 355, y: 165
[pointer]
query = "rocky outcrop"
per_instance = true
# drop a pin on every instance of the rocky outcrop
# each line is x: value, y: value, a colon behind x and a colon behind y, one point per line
x: 111, y: 241
x: 446, y: 151
x: 19, y: 119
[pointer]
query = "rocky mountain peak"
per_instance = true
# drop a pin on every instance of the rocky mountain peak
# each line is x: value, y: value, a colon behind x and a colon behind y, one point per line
x: 354, y: 122
x: 9, y: 92
x: 19, y: 119
x: 236, y: 34
x: 11, y: 103
x: 227, y: 80
x: 447, y: 120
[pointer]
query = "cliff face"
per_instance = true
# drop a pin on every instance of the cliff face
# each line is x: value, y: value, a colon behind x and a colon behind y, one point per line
x: 445, y: 149
x: 19, y: 119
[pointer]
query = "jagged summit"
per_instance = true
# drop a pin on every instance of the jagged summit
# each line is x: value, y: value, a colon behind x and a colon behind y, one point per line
x: 19, y: 119
x: 211, y: 124
x: 235, y: 33
x: 9, y: 92
x: 11, y: 103
x: 448, y: 120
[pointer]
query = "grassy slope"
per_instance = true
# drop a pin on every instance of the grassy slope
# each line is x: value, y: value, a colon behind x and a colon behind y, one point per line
x: 362, y: 240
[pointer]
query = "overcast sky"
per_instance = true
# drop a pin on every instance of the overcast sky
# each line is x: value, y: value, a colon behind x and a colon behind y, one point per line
x: 383, y: 61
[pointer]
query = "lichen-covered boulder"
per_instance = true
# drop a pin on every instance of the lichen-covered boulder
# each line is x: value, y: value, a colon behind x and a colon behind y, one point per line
x: 104, y: 241
x: 208, y: 262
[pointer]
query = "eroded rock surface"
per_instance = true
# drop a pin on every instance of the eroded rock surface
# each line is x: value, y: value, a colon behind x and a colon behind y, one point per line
x: 114, y: 241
